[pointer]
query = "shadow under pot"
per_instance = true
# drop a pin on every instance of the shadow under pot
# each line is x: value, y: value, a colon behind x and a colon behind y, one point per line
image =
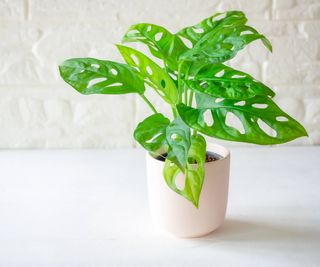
x: 178, y: 216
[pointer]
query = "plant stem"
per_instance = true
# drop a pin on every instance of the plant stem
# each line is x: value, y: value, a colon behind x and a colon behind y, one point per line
x: 149, y: 103
x: 179, y: 81
x: 190, y: 98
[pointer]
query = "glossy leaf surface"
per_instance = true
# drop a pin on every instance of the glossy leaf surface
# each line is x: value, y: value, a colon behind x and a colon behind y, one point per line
x: 93, y: 76
x: 194, y: 175
x: 220, y: 40
x: 262, y: 121
x: 151, y: 73
x: 178, y: 138
x: 161, y: 43
x: 151, y: 132
x: 221, y: 81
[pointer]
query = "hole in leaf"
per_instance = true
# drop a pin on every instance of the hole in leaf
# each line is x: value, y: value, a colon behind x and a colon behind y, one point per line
x: 95, y: 66
x: 220, y: 16
x: 258, y: 105
x: 114, y: 71
x: 219, y: 74
x: 135, y: 59
x: 281, y: 118
x: 180, y: 181
x: 240, y: 103
x: 187, y: 42
x: 246, y: 32
x: 198, y: 30
x: 218, y: 100
x: 163, y: 83
x: 238, y: 76
x: 149, y: 28
x: 158, y: 36
x: 116, y: 84
x: 204, y: 84
x: 132, y: 32
x: 266, y: 128
x: 174, y: 77
x: 174, y: 136
x: 149, y: 70
x: 233, y: 121
x: 207, y: 117
x: 153, y: 138
x: 95, y: 81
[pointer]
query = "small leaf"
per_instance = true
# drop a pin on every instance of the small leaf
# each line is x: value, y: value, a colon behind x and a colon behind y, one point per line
x: 151, y: 73
x: 250, y: 113
x: 93, y: 76
x: 194, y: 176
x: 218, y: 80
x: 161, y: 43
x: 178, y: 138
x: 151, y: 132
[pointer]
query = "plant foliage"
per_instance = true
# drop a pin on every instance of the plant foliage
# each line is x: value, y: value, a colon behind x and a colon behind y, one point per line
x: 193, y: 67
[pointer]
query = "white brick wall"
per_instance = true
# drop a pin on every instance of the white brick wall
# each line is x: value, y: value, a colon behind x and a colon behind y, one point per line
x: 37, y: 110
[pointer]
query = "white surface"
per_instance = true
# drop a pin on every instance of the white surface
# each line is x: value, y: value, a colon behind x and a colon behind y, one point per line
x: 39, y: 110
x: 89, y: 208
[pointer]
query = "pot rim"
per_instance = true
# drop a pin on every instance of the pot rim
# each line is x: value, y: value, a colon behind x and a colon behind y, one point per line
x: 211, y: 147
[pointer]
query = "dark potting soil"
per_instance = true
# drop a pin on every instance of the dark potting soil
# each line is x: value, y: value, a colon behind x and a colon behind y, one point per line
x: 210, y: 156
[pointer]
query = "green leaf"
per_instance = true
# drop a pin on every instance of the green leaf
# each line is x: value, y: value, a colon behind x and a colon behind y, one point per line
x: 263, y: 122
x: 151, y: 73
x: 93, y: 76
x: 178, y: 138
x: 220, y: 81
x: 151, y: 132
x: 217, y: 21
x: 195, y: 174
x: 220, y: 40
x: 161, y: 43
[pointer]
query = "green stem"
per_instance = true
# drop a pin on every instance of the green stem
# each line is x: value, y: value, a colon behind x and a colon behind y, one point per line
x: 149, y: 103
x: 179, y: 81
x: 190, y: 99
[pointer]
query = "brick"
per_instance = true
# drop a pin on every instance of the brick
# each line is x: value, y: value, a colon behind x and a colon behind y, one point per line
x: 300, y: 9
x: 11, y: 10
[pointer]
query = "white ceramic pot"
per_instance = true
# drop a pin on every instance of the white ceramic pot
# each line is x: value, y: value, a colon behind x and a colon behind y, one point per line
x: 177, y: 215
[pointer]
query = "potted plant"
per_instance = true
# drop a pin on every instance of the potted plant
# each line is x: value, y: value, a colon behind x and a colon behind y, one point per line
x: 188, y: 178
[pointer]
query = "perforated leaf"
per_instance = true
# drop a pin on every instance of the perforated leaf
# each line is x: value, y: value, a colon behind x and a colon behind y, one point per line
x: 93, y: 76
x: 262, y: 120
x: 217, y: 21
x: 221, y: 81
x: 151, y: 132
x: 161, y: 43
x: 220, y: 40
x: 151, y: 73
x: 178, y: 138
x: 194, y: 175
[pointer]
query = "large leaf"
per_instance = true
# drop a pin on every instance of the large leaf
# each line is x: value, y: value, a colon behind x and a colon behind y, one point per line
x: 263, y: 122
x: 221, y: 40
x: 93, y: 76
x: 151, y: 73
x: 194, y: 175
x: 161, y: 43
x: 217, y: 21
x: 218, y: 80
x: 178, y: 138
x: 151, y: 132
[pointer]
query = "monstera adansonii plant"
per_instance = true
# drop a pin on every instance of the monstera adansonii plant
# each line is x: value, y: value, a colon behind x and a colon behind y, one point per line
x: 198, y: 87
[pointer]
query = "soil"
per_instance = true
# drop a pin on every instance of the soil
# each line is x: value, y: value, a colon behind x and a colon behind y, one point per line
x: 210, y: 156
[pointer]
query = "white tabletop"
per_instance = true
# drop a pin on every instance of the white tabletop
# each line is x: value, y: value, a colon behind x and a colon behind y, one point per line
x: 90, y: 208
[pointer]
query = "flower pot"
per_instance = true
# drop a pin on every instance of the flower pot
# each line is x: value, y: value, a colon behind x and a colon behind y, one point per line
x: 178, y: 216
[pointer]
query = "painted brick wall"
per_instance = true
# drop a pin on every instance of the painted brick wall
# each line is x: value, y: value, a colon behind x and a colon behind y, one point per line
x: 37, y: 110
